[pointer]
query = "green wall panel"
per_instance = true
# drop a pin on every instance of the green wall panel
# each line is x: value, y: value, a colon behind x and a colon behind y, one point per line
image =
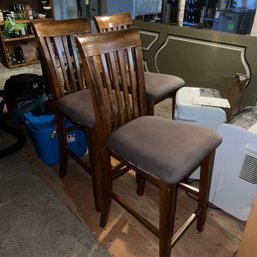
x: 201, y: 57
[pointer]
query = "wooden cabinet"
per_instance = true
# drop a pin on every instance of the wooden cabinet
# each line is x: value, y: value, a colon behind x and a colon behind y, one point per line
x: 21, y: 50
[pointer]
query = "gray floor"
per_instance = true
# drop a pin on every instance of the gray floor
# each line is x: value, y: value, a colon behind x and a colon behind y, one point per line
x: 33, y: 221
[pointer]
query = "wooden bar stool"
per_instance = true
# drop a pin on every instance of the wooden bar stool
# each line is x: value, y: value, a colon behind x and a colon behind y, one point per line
x: 60, y: 62
x: 162, y: 151
x: 158, y: 86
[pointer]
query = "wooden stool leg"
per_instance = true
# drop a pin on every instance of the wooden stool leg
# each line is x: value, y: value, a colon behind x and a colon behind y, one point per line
x: 173, y: 106
x: 95, y: 167
x: 140, y: 184
x: 150, y: 108
x: 168, y: 198
x: 204, y: 189
x: 106, y: 189
x: 63, y: 151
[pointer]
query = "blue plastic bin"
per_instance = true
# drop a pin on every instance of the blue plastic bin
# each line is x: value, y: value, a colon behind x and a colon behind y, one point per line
x: 40, y: 128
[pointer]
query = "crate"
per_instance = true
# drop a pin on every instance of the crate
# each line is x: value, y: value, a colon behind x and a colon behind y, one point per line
x: 40, y: 129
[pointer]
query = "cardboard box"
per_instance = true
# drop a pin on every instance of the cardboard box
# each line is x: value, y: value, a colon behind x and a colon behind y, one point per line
x: 248, y: 245
x: 233, y: 91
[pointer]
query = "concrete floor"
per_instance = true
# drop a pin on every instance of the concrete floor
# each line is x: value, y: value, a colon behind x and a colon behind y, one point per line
x: 123, y: 236
x: 34, y: 222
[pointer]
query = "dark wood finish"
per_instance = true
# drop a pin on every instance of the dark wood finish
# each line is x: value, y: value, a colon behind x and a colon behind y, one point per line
x: 124, y: 21
x: 113, y: 67
x: 113, y: 22
x: 61, y: 64
x: 57, y: 45
x: 125, y: 97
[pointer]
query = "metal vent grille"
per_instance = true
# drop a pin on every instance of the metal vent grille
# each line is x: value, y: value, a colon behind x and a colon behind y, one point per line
x: 249, y: 169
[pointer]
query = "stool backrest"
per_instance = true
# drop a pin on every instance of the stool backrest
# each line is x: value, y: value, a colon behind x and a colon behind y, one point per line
x: 59, y: 54
x: 113, y: 22
x: 114, y: 74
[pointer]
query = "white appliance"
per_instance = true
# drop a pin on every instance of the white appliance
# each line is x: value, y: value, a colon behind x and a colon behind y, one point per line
x: 234, y: 181
x: 187, y: 110
x: 207, y: 116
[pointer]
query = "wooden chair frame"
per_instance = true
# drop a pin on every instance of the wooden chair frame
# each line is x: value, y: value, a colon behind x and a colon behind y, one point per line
x: 105, y: 58
x: 62, y: 67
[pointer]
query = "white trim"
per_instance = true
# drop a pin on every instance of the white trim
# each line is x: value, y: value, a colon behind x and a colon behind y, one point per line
x: 155, y: 35
x: 213, y: 44
x: 145, y: 66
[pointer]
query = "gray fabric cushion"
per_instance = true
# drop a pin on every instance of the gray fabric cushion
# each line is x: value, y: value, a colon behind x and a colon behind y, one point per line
x: 78, y: 106
x: 164, y: 148
x: 158, y: 85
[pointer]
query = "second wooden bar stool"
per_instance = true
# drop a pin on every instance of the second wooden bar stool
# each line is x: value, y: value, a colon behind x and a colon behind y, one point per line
x: 72, y: 101
x: 158, y: 86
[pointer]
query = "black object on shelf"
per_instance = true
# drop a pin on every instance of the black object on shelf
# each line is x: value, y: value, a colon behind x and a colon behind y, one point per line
x: 193, y: 11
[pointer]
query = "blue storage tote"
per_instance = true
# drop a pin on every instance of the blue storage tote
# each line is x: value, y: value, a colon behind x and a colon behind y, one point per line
x: 40, y: 129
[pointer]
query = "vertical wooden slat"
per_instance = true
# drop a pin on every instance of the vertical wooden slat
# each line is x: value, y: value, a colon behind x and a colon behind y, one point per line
x: 77, y: 66
x: 133, y: 81
x: 47, y: 69
x: 141, y: 81
x: 117, y: 88
x: 70, y: 69
x: 51, y: 50
x: 61, y: 56
x: 101, y: 93
x: 107, y: 71
x: 121, y: 59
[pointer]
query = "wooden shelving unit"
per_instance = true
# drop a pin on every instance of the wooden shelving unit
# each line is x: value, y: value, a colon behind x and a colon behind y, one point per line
x: 10, y: 46
x: 6, y: 40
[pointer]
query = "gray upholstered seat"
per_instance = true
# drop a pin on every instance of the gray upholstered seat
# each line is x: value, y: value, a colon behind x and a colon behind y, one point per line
x: 78, y: 107
x: 82, y: 111
x: 159, y: 85
x: 158, y: 146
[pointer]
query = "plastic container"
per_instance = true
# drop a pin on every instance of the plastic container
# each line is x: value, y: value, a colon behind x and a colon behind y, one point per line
x: 40, y: 129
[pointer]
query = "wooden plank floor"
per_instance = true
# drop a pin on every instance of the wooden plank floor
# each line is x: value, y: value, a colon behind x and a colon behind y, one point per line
x: 124, y: 236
